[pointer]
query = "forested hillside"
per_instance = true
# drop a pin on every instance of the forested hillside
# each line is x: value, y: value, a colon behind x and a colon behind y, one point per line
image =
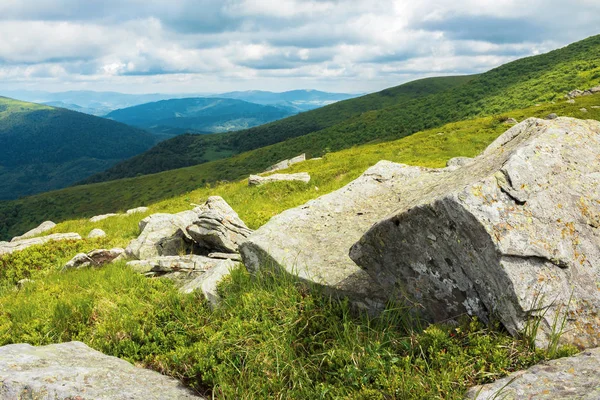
x: 44, y: 148
x: 391, y: 114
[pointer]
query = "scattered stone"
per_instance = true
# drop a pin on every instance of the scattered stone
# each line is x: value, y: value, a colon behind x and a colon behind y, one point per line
x: 459, y: 161
x: 209, y: 281
x: 22, y: 244
x: 217, y: 227
x: 575, y: 93
x: 23, y: 282
x: 583, y: 110
x: 137, y: 210
x: 511, y: 121
x: 163, y: 235
x: 571, y: 101
x: 578, y: 93
x: 98, y: 218
x: 257, y: 180
x: 552, y: 116
x: 576, y: 377
x: 189, y: 272
x: 96, y: 233
x: 226, y: 256
x: 312, y: 241
x: 74, y: 371
x: 286, y: 163
x: 515, y: 234
x: 595, y: 90
x: 96, y: 258
x: 596, y: 107
x: 44, y: 227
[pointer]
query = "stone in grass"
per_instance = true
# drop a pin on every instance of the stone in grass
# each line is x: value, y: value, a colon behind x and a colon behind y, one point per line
x: 137, y: 210
x: 96, y: 233
x: 74, y: 371
x: 8, y: 248
x: 257, y: 180
x: 95, y: 258
x: 102, y: 217
x: 44, y: 227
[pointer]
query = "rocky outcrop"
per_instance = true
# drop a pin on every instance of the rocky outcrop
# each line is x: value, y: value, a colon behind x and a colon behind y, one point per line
x: 75, y: 371
x: 578, y: 93
x: 458, y: 161
x: 99, y: 218
x: 162, y: 235
x: 7, y: 248
x: 137, y: 210
x: 312, y: 241
x: 286, y: 163
x: 44, y: 227
x: 575, y: 377
x: 96, y: 233
x: 515, y: 234
x: 257, y: 180
x: 96, y: 258
x: 217, y: 227
x: 189, y: 272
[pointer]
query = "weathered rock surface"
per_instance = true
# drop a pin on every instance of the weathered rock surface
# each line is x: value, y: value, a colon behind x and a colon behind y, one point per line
x: 137, y: 210
x: 95, y: 258
x: 19, y: 245
x: 459, y: 161
x: 286, y: 163
x: 189, y: 272
x: 514, y: 234
x: 226, y: 256
x: 575, y: 377
x: 99, y: 218
x: 75, y: 371
x: 571, y: 101
x: 312, y: 241
x: 217, y: 227
x: 163, y: 235
x: 44, y: 227
x: 511, y: 121
x: 578, y: 93
x: 96, y: 233
x: 257, y: 180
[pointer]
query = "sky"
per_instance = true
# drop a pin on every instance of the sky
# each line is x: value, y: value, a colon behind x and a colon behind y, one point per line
x: 211, y: 46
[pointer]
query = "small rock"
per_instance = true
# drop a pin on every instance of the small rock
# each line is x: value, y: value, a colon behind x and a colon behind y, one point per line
x: 98, y: 218
x: 552, y: 116
x: 511, y: 121
x: 96, y: 258
x: 571, y: 101
x: 96, y: 233
x: 137, y: 210
x: 44, y: 227
x: 23, y: 282
x: 595, y: 107
x: 256, y: 180
x: 286, y: 163
x: 226, y: 256
x: 583, y: 110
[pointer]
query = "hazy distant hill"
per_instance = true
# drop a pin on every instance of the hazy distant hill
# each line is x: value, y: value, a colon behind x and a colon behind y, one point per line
x: 44, y: 148
x: 198, y: 115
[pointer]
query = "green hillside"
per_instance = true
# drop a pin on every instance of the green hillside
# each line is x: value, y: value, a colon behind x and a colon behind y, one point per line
x: 44, y: 148
x: 420, y: 105
x: 186, y: 150
x: 426, y: 148
x: 197, y: 115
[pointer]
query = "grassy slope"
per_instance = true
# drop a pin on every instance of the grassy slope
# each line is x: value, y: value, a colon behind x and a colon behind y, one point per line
x: 272, y: 337
x: 180, y: 186
x: 44, y: 148
x: 516, y: 85
x: 189, y: 150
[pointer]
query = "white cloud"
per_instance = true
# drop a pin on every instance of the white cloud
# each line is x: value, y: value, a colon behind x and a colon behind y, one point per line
x: 220, y: 45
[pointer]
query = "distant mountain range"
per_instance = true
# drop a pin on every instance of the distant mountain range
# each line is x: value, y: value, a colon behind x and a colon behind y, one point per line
x: 44, y: 148
x: 198, y: 115
x: 102, y: 103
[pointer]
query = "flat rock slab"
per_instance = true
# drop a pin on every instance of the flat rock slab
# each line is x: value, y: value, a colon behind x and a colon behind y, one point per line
x: 95, y: 258
x: 99, y: 218
x: 515, y: 234
x: 286, y: 163
x: 75, y: 371
x: 44, y: 227
x: 312, y: 241
x: 257, y: 180
x: 7, y: 248
x: 575, y: 377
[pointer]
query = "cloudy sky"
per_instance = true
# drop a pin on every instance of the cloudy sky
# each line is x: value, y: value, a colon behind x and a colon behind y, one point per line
x: 198, y: 46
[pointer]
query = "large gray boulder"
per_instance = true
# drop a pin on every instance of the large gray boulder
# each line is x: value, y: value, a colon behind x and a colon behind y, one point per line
x: 163, y: 235
x: 44, y: 227
x: 217, y: 227
x: 576, y: 377
x: 312, y: 241
x: 75, y: 371
x: 286, y: 163
x: 257, y: 180
x: 8, y: 248
x: 515, y: 235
